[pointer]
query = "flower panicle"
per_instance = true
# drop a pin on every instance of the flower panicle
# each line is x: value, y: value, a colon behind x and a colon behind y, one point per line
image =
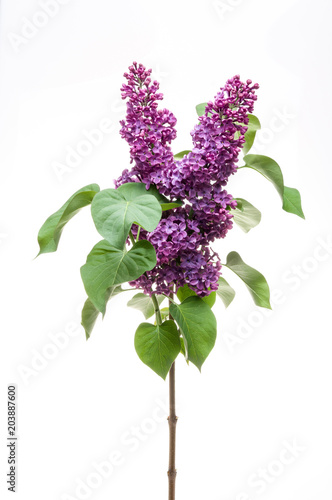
x: 183, y: 235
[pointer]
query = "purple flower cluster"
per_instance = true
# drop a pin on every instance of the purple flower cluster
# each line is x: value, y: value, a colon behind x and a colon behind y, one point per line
x: 217, y: 141
x: 147, y: 130
x: 195, y: 268
x: 174, y: 234
x: 183, y: 235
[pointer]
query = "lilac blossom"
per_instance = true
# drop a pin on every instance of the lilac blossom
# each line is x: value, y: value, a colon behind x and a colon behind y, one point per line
x: 183, y: 235
x: 218, y: 138
x: 147, y: 129
x: 200, y: 270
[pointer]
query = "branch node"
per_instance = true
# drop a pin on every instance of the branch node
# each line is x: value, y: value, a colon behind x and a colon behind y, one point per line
x: 172, y: 473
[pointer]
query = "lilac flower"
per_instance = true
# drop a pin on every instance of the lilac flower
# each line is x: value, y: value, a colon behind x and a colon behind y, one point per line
x: 182, y: 237
x: 199, y: 269
x: 181, y: 257
x: 200, y: 176
x: 147, y: 130
x: 174, y: 234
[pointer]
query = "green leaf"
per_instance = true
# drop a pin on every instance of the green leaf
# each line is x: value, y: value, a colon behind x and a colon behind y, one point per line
x: 183, y: 348
x: 144, y: 303
x: 164, y: 313
x: 89, y: 317
x: 184, y: 292
x: 171, y: 205
x: 239, y: 205
x: 90, y: 313
x: 114, y: 211
x: 158, y: 345
x: 246, y: 216
x: 250, y: 135
x: 292, y: 202
x: 50, y: 232
x: 107, y: 266
x: 225, y: 292
x: 165, y: 203
x: 271, y: 171
x: 268, y: 168
x: 254, y: 280
x: 180, y: 155
x: 199, y: 328
x: 200, y: 108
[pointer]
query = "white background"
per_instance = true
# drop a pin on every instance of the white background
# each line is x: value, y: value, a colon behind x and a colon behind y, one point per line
x: 268, y: 380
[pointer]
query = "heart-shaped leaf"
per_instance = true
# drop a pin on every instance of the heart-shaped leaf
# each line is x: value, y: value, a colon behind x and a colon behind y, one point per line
x: 165, y: 203
x: 225, y: 292
x: 246, y: 216
x: 50, y: 232
x: 144, y: 303
x: 250, y: 135
x: 114, y: 211
x: 107, y: 266
x: 158, y: 345
x: 199, y: 328
x: 184, y: 292
x: 254, y: 280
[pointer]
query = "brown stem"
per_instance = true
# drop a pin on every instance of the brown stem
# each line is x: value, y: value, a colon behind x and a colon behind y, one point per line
x: 172, y: 420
